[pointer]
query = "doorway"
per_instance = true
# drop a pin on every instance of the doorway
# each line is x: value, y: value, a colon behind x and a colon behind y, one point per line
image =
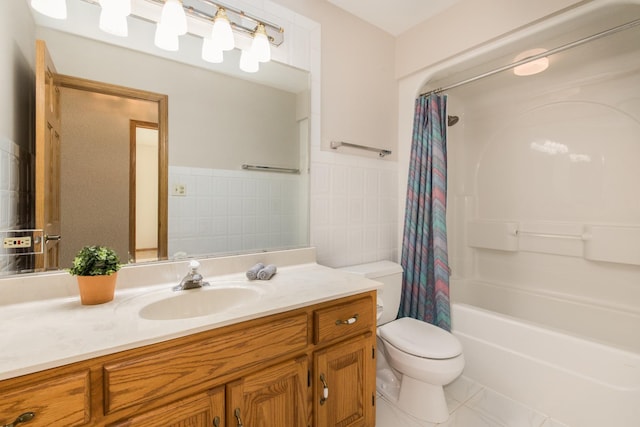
x: 99, y: 168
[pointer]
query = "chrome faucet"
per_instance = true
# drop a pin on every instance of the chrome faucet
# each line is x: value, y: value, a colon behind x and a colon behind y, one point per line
x: 193, y: 279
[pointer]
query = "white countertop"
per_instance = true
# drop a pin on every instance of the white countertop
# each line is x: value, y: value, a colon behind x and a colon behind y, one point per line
x: 38, y: 335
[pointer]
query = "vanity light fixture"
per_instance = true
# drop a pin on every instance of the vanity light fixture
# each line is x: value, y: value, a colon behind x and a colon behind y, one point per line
x: 113, y: 16
x: 165, y: 38
x: 52, y: 8
x: 173, y: 18
x: 211, y: 51
x: 229, y: 27
x: 260, y: 45
x: 248, y: 61
x: 221, y: 31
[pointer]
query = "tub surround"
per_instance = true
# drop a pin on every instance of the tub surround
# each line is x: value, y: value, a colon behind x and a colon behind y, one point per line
x: 51, y: 328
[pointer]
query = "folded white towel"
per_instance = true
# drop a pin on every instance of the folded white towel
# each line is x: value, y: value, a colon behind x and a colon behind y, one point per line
x: 267, y: 272
x: 252, y: 273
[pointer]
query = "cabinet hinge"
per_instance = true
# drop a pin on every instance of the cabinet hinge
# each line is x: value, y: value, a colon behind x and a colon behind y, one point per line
x: 308, y: 378
x: 373, y: 352
x: 373, y: 399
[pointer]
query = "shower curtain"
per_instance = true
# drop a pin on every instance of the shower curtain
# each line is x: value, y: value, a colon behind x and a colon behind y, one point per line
x: 425, y: 288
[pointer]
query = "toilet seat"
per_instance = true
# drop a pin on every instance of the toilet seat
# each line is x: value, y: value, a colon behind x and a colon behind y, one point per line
x: 420, y: 339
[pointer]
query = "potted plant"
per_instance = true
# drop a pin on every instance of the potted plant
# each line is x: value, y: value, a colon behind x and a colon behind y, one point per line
x: 96, y: 268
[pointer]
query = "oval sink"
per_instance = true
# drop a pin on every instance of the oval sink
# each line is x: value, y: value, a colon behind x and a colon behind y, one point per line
x: 199, y: 302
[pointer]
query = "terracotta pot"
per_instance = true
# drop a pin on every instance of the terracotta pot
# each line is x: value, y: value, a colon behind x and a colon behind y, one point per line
x: 97, y: 289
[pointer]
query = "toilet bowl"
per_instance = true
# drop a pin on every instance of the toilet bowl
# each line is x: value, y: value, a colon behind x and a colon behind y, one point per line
x: 415, y: 359
x: 424, y: 358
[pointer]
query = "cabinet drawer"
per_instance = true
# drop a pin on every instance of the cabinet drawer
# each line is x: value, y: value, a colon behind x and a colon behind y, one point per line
x: 343, y: 320
x: 61, y: 401
x: 137, y: 380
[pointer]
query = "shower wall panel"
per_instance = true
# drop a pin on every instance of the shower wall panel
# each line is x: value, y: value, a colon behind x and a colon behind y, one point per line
x: 543, y: 181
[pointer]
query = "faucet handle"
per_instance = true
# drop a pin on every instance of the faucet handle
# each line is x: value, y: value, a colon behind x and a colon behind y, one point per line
x: 194, y: 265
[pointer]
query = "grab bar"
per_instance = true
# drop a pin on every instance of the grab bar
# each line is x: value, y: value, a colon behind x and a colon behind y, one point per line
x: 381, y: 152
x: 270, y: 169
x: 553, y: 235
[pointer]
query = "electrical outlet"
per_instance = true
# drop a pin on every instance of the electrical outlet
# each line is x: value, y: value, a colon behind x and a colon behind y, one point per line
x: 16, y: 242
x: 179, y: 190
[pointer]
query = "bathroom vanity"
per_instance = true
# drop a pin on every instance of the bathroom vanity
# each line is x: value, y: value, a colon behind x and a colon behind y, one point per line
x: 279, y: 361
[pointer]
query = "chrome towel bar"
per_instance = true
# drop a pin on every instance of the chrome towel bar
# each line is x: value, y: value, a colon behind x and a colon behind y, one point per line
x: 269, y: 169
x: 381, y: 152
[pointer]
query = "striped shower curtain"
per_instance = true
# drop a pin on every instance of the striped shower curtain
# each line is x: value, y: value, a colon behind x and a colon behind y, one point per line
x: 425, y: 292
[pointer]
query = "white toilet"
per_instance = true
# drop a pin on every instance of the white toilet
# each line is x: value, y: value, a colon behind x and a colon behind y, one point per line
x: 415, y: 359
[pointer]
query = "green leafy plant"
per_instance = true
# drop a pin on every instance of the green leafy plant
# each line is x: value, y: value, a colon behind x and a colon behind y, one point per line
x: 95, y: 261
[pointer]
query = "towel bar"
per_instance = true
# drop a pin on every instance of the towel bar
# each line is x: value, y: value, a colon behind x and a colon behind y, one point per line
x: 381, y: 152
x: 269, y: 169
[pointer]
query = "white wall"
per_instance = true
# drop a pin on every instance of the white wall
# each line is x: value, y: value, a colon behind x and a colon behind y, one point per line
x: 467, y: 25
x: 354, y: 199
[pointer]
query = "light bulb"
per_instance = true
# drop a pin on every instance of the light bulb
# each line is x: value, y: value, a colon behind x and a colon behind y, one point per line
x: 118, y: 7
x: 260, y: 45
x: 52, y: 8
x: 166, y: 39
x: 248, y: 62
x: 211, y: 51
x: 222, y: 32
x: 113, y: 23
x: 173, y: 17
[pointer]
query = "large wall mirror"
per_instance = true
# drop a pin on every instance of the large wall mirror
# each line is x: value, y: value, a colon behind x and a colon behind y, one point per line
x: 219, y: 125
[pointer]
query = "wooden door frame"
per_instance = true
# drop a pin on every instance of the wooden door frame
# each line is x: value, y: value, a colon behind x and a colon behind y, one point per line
x: 163, y: 138
x: 47, y: 187
x: 133, y: 193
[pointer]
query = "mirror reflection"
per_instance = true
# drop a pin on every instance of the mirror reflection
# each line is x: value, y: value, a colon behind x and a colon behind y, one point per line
x: 216, y: 124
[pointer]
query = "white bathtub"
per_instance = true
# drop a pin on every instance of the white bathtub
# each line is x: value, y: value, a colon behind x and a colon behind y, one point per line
x: 576, y: 381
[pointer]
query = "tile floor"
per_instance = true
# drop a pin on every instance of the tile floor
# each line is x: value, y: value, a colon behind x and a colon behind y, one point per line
x: 470, y: 405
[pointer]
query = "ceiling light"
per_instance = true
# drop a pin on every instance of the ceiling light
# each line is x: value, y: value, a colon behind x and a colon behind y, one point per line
x: 173, y: 17
x: 222, y: 32
x: 165, y: 38
x: 211, y: 51
x: 248, y: 62
x: 260, y: 46
x: 52, y: 8
x: 532, y: 67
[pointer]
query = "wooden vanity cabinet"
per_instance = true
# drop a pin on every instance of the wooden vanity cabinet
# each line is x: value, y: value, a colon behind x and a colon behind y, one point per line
x: 344, y: 365
x: 262, y: 372
x: 59, y: 399
x: 276, y: 396
x: 205, y: 409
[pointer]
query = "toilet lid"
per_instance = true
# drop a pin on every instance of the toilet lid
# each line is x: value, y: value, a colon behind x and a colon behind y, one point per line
x: 420, y: 339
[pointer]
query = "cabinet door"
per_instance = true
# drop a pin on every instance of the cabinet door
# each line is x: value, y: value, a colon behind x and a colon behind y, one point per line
x: 202, y: 410
x: 344, y: 384
x: 62, y: 401
x: 274, y: 397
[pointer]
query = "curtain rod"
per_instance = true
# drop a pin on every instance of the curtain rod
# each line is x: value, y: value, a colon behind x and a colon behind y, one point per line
x: 538, y: 56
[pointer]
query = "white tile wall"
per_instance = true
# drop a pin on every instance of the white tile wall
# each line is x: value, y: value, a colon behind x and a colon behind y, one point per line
x: 11, y: 161
x: 226, y: 211
x: 353, y: 209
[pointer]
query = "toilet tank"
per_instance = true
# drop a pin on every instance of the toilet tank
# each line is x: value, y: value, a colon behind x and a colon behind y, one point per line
x: 390, y: 275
